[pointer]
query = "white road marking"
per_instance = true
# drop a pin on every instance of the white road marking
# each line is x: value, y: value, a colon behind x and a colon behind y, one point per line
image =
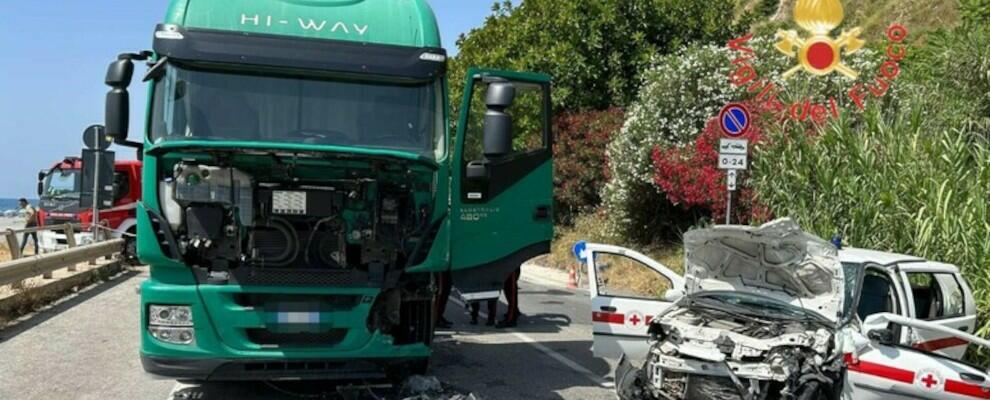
x: 551, y: 353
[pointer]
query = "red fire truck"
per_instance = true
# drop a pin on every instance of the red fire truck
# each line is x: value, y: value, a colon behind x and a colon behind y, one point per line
x: 60, y: 189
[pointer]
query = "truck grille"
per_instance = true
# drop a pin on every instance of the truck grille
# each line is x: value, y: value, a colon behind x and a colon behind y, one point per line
x: 252, y: 276
x: 267, y: 338
x: 297, y: 320
x: 269, y: 301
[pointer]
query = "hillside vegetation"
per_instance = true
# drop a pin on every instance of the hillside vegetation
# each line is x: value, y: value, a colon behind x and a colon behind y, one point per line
x: 873, y: 15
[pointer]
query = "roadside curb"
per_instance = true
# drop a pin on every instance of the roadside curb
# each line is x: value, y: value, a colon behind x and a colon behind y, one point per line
x: 535, y: 273
x: 11, y: 307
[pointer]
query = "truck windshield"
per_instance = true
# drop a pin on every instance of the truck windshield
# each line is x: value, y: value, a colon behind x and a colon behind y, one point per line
x: 196, y: 104
x: 62, y: 184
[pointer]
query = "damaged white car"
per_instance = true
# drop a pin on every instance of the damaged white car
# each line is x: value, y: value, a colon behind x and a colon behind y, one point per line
x: 773, y: 312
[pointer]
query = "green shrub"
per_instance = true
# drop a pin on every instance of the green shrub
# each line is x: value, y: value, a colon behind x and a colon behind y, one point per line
x: 888, y: 183
x: 594, y: 49
x: 975, y: 12
x: 950, y: 76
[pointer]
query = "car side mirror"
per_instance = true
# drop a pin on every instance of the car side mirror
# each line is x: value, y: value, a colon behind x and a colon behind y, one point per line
x: 673, y: 295
x: 882, y: 336
x: 877, y: 329
x: 498, y: 124
x: 118, y: 103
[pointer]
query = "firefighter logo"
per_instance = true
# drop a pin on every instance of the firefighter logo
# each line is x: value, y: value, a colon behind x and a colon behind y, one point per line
x: 819, y: 54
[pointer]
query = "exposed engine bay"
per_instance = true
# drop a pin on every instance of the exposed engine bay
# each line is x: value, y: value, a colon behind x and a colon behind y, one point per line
x: 224, y: 218
x: 266, y: 219
x: 761, y: 319
x: 702, y: 352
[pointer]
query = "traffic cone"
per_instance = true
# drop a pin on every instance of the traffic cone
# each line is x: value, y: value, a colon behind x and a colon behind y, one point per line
x: 572, y: 278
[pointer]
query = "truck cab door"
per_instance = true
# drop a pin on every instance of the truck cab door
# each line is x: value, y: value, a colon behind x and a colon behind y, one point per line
x: 628, y: 290
x: 939, y: 295
x: 889, y: 371
x: 502, y: 188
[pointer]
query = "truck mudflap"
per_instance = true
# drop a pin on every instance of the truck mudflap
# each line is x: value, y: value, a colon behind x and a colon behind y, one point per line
x: 214, y: 369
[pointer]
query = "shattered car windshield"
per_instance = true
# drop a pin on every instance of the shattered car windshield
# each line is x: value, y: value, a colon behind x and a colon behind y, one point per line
x: 757, y: 305
x: 851, y: 274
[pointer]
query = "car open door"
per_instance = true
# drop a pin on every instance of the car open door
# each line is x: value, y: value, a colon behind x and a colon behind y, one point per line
x: 502, y: 185
x: 885, y: 370
x: 938, y: 294
x: 628, y: 290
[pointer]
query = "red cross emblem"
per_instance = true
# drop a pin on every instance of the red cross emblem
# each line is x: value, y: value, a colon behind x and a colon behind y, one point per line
x: 635, y: 320
x: 929, y: 380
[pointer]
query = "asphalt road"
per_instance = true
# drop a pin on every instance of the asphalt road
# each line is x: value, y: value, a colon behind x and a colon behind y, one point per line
x: 86, y: 348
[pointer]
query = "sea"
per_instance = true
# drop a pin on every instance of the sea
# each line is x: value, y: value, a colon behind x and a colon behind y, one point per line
x: 11, y: 205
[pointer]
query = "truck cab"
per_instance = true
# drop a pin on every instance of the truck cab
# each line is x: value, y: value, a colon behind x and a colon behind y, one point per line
x: 303, y: 189
x: 60, y: 189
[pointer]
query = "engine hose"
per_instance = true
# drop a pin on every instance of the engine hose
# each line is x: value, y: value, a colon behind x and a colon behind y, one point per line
x: 312, y: 234
x: 291, y: 245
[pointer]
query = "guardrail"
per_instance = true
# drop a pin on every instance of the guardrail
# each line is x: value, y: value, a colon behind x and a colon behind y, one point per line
x: 15, y: 249
x: 21, y: 268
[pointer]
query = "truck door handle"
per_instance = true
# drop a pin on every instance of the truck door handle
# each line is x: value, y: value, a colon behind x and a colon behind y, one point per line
x: 608, y: 309
x: 964, y: 329
x: 972, y: 378
x: 541, y: 213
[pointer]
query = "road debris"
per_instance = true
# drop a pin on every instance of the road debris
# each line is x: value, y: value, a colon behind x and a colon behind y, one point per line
x: 419, y: 387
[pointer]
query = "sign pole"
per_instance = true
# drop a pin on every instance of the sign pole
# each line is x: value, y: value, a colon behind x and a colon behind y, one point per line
x: 96, y: 196
x: 728, y: 209
x: 733, y: 151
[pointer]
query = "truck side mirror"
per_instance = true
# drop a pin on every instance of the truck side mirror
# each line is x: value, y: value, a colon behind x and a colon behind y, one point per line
x: 41, y: 182
x: 119, y: 75
x: 498, y: 124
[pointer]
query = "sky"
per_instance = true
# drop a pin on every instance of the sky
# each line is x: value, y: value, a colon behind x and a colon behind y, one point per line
x: 53, y: 58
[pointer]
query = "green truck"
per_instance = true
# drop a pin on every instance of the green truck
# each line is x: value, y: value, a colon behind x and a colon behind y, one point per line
x: 303, y: 189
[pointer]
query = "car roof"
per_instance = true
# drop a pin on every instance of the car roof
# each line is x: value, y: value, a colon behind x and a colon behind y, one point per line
x: 860, y: 256
x: 905, y: 262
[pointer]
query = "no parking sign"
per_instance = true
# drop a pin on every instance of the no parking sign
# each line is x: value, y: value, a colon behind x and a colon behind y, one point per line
x: 734, y: 120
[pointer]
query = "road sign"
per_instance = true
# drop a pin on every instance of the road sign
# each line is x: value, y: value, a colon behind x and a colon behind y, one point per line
x: 734, y: 120
x: 95, y: 138
x: 581, y: 251
x: 733, y: 146
x: 731, y: 176
x: 732, y: 161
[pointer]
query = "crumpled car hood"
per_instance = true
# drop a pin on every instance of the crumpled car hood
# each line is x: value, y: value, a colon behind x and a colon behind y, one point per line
x: 777, y: 260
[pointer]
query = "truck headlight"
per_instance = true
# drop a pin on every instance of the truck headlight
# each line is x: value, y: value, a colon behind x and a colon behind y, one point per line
x: 172, y: 335
x: 170, y: 316
x: 171, y: 324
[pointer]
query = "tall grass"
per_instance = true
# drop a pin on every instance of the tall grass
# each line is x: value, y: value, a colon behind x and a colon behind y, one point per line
x: 892, y: 183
